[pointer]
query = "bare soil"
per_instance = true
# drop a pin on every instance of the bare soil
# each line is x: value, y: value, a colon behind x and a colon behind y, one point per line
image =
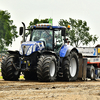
x: 32, y: 90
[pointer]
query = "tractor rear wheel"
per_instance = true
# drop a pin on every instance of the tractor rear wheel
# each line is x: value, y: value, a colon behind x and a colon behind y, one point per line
x: 47, y: 68
x: 70, y: 67
x: 8, y: 69
x: 91, y: 72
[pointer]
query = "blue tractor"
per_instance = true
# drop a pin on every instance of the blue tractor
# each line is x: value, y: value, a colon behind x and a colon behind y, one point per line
x: 45, y: 57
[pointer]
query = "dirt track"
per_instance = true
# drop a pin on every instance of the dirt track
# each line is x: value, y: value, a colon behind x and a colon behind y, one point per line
x: 30, y: 90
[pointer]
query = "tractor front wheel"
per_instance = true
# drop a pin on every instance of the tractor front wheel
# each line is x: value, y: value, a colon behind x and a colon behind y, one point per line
x: 8, y: 69
x: 47, y: 68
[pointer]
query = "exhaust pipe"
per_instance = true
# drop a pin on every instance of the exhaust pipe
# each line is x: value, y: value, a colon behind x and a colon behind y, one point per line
x: 24, y: 27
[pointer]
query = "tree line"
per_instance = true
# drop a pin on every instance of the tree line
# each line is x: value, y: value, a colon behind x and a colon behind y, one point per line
x: 78, y: 33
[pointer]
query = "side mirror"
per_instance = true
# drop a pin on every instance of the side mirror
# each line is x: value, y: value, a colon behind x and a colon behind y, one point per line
x: 63, y: 32
x: 20, y: 30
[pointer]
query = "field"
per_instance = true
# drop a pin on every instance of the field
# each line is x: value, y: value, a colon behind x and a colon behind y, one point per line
x: 33, y: 90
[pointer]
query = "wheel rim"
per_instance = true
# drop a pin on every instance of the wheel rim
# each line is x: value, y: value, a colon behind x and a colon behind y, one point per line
x: 52, y: 69
x: 73, y: 67
x: 92, y: 73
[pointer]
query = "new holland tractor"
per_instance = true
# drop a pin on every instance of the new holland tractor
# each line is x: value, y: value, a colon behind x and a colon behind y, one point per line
x: 45, y: 57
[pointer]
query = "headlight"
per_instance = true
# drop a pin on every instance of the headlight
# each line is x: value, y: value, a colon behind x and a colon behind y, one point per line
x: 20, y: 51
x: 29, y: 51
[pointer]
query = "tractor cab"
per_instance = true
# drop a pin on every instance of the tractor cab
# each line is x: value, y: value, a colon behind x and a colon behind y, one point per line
x: 51, y: 36
x: 45, y: 36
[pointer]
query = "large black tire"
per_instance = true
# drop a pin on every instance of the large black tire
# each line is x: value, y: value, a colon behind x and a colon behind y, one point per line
x: 30, y: 75
x: 8, y: 69
x: 70, y: 67
x: 91, y: 72
x: 47, y: 68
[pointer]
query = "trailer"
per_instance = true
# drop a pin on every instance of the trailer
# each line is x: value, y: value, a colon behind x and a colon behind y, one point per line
x: 89, y: 64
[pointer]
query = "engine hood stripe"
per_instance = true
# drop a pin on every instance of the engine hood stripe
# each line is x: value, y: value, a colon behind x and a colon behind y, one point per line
x: 35, y: 46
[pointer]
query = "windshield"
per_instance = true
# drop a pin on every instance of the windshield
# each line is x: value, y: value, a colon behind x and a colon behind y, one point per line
x: 58, y: 41
x: 43, y: 35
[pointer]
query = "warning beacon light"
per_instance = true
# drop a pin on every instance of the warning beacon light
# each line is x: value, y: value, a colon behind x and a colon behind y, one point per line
x: 68, y: 27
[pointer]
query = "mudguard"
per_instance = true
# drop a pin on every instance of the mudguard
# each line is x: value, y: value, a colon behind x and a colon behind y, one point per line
x: 29, y: 47
x: 13, y: 52
x: 65, y: 50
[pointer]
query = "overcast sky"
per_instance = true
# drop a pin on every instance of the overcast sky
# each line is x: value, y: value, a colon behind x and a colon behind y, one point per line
x: 28, y: 10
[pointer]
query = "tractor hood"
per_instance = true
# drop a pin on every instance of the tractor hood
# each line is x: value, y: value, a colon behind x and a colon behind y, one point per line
x: 27, y: 48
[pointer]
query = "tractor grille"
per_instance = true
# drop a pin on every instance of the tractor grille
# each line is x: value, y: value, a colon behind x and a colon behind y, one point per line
x: 25, y: 48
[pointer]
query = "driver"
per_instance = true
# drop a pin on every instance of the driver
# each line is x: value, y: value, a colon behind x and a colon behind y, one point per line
x: 49, y: 41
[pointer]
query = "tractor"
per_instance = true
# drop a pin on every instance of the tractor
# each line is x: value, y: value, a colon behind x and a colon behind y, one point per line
x: 45, y: 57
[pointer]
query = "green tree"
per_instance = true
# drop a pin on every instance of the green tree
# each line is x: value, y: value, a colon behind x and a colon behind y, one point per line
x: 79, y: 32
x: 8, y: 31
x: 36, y: 21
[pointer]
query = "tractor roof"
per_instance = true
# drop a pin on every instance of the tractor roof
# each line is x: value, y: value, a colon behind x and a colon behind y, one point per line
x: 46, y: 26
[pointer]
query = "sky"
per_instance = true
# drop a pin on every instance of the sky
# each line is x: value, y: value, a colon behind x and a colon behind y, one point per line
x: 27, y: 10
